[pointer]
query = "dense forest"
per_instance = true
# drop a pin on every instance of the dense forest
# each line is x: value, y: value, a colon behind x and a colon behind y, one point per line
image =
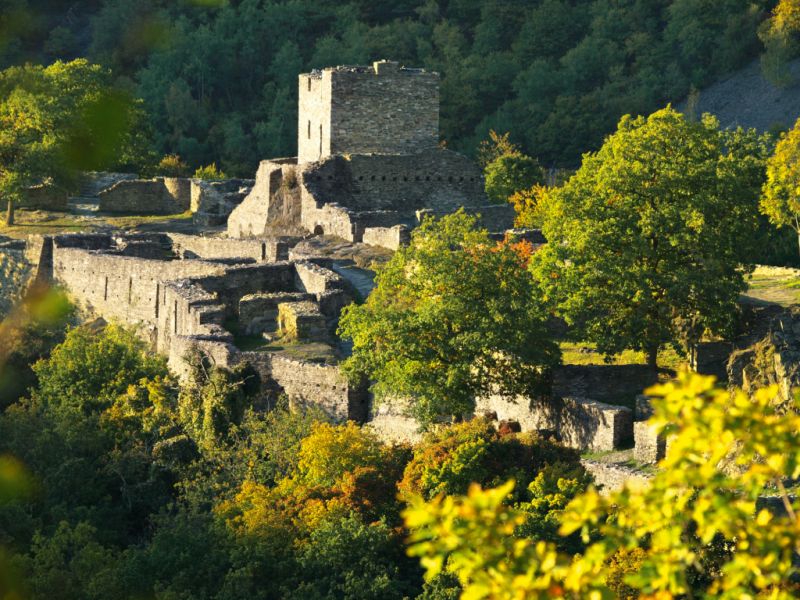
x: 218, y: 78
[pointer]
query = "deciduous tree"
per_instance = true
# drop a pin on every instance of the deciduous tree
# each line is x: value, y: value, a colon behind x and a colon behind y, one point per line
x: 453, y: 315
x: 649, y: 240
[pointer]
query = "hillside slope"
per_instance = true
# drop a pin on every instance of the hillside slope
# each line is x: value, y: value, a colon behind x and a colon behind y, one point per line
x: 746, y: 98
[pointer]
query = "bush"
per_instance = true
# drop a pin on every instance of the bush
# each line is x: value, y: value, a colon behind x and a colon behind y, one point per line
x: 172, y: 166
x: 210, y: 173
x: 509, y: 174
x: 449, y: 460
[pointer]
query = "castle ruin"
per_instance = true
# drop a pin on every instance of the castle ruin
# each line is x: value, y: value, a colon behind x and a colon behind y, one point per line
x: 369, y: 166
x: 369, y: 169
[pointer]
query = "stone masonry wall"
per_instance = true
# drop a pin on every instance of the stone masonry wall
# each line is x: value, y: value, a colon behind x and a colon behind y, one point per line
x: 274, y: 201
x: 385, y: 109
x: 195, y: 246
x: 314, y: 116
x: 432, y: 178
x: 391, y: 238
x: 382, y: 109
x: 121, y: 287
x: 145, y: 196
x: 44, y: 197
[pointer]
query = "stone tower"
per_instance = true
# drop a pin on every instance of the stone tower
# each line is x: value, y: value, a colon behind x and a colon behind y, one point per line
x: 383, y: 109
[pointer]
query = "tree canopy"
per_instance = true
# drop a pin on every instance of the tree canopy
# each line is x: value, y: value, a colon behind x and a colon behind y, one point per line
x: 452, y: 315
x: 780, y: 201
x: 219, y: 79
x: 695, y: 528
x: 649, y: 240
x: 59, y: 119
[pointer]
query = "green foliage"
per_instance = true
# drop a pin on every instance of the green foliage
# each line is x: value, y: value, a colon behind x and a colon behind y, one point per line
x: 90, y: 369
x: 780, y: 201
x: 28, y: 334
x: 58, y: 119
x: 211, y: 402
x: 209, y: 172
x: 647, y: 239
x: 332, y: 450
x: 219, y: 78
x: 698, y: 513
x: 779, y: 34
x: 451, y: 316
x: 447, y: 461
x: 509, y: 174
x: 171, y: 165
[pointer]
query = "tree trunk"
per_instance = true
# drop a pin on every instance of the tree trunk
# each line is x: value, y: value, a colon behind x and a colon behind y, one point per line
x: 652, y: 357
x: 10, y: 212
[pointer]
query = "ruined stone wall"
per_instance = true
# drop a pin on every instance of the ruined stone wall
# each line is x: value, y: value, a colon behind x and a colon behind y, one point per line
x: 579, y: 422
x: 532, y: 414
x: 120, y: 287
x: 432, y: 178
x: 391, y: 238
x: 44, y: 197
x: 273, y: 204
x: 312, y: 384
x: 195, y: 246
x: 592, y: 425
x: 613, y: 384
x: 145, y: 196
x: 609, y: 477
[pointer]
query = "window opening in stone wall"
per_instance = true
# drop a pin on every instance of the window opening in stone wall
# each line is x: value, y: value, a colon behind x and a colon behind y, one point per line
x: 130, y: 290
x: 309, y: 84
x: 320, y: 139
x: 105, y: 288
x: 264, y: 246
x: 309, y: 130
x: 158, y: 297
x: 175, y: 317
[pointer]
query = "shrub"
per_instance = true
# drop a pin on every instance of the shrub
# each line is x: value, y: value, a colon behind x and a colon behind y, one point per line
x: 210, y: 173
x: 172, y: 166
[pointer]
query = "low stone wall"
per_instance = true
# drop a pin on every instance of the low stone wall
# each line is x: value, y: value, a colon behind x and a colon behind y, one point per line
x: 311, y: 384
x: 650, y: 447
x: 589, y: 424
x: 389, y: 420
x: 532, y: 414
x: 145, y: 196
x: 301, y: 321
x: 195, y: 246
x: 711, y: 358
x: 387, y: 237
x: 316, y: 279
x: 609, y: 477
x: 258, y: 313
x: 44, y: 197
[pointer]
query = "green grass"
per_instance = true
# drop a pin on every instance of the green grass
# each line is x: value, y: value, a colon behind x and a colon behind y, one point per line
x: 44, y: 222
x: 772, y: 285
x: 311, y: 351
x: 583, y: 353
